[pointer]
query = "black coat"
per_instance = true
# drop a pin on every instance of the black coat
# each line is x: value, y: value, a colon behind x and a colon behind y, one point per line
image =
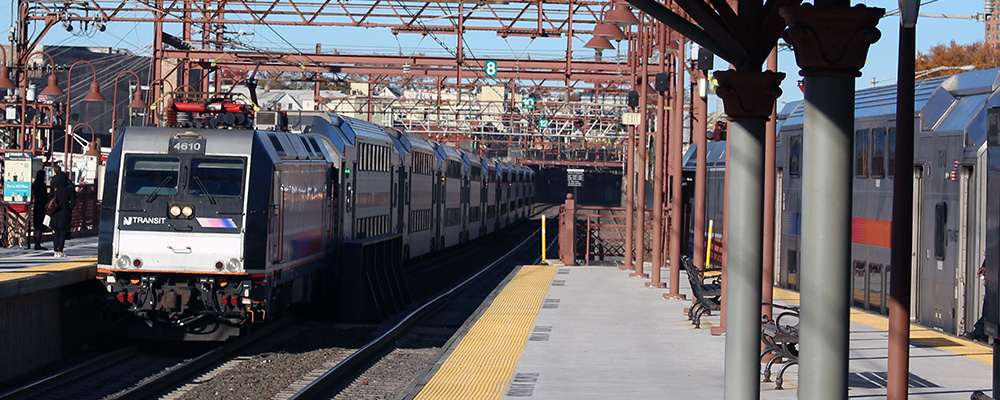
x: 66, y: 198
x: 39, y: 197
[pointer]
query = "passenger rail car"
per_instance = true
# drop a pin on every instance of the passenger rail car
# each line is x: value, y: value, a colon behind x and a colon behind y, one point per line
x: 949, y: 193
x: 450, y: 184
x: 476, y: 195
x: 205, y: 232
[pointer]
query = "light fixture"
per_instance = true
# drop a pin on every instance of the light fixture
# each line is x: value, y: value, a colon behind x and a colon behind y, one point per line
x: 137, y: 99
x: 610, y: 31
x: 52, y: 89
x: 95, y: 92
x: 621, y: 16
x: 68, y: 26
x: 5, y: 82
x: 599, y: 43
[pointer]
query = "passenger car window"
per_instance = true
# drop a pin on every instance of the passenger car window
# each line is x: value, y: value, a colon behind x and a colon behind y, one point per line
x: 878, y: 153
x: 861, y: 154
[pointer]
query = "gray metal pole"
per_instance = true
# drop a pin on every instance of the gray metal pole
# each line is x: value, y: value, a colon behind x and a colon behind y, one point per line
x: 746, y: 174
x: 819, y: 34
x: 827, y: 183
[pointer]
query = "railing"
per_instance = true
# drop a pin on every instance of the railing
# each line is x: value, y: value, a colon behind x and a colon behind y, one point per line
x: 598, y: 233
x: 16, y: 218
x: 86, y: 212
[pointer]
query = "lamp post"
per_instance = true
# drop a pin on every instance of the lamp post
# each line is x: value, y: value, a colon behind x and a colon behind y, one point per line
x: 93, y: 95
x: 136, y: 102
x: 93, y: 133
x: 51, y: 89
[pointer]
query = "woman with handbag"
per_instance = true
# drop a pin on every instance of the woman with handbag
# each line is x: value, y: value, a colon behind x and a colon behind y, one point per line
x: 39, y: 198
x: 65, y: 197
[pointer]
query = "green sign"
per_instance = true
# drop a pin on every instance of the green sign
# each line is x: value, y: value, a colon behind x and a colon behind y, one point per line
x: 543, y: 123
x: 491, y: 68
x: 528, y: 103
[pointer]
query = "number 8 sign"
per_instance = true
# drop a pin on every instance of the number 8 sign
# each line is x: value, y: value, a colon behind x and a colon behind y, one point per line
x: 491, y: 68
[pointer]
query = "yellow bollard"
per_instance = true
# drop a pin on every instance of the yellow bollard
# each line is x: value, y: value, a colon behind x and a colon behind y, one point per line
x: 543, y: 238
x: 708, y: 252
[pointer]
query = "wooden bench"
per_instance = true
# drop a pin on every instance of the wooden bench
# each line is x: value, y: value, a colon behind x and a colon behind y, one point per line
x: 706, y: 295
x: 780, y: 336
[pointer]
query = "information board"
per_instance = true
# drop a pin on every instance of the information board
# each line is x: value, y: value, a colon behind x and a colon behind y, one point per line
x: 18, y: 173
x: 574, y: 177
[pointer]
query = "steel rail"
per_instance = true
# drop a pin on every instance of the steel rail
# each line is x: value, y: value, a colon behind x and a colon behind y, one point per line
x: 37, y: 388
x: 318, y: 387
x: 171, y: 377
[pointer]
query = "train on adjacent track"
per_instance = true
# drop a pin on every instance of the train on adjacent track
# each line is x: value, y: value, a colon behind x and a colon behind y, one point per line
x: 949, y: 197
x: 205, y: 232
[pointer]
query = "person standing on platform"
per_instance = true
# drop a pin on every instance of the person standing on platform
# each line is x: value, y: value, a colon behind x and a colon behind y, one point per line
x: 39, y: 197
x: 63, y: 218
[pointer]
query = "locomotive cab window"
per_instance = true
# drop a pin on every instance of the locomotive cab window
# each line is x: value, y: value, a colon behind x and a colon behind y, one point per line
x: 145, y: 175
x: 216, y: 177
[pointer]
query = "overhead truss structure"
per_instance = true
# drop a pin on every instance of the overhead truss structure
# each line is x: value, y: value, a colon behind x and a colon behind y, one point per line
x: 192, y: 44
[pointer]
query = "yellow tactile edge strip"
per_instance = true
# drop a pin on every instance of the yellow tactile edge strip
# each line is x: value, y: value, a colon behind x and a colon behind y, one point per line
x: 924, y: 335
x: 42, y: 269
x: 483, y: 362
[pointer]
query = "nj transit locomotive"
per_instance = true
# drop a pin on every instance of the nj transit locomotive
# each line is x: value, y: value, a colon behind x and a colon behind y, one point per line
x: 949, y: 175
x: 204, y: 231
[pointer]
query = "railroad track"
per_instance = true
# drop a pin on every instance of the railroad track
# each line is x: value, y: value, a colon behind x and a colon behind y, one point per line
x: 352, y: 366
x: 134, y: 373
x: 173, y: 377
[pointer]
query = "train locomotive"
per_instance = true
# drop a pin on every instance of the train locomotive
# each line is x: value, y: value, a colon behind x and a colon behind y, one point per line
x: 205, y: 232
x: 950, y: 202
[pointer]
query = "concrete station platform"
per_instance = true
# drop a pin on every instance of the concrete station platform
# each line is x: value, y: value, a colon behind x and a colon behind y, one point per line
x: 594, y: 333
x: 36, y: 303
x: 25, y: 271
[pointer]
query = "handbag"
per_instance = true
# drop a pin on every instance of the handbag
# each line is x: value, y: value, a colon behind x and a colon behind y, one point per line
x: 52, y: 206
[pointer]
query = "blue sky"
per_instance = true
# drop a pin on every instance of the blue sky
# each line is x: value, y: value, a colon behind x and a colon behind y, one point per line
x: 882, y: 56
x: 881, y: 62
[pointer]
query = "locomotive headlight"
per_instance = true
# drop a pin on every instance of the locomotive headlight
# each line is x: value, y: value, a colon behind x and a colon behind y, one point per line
x: 123, y: 262
x: 233, y: 265
x: 187, y: 211
x: 175, y: 211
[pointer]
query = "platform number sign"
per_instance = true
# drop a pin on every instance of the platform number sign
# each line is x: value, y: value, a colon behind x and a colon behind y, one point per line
x: 491, y: 68
x: 528, y: 103
x: 543, y: 123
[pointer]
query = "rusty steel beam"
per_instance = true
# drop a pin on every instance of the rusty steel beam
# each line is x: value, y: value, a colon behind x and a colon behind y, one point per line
x: 564, y: 163
x: 219, y: 57
x: 541, y: 16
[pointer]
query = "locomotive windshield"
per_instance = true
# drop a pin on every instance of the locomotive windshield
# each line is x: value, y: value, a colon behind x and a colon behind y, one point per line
x: 151, y: 174
x: 216, y: 177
